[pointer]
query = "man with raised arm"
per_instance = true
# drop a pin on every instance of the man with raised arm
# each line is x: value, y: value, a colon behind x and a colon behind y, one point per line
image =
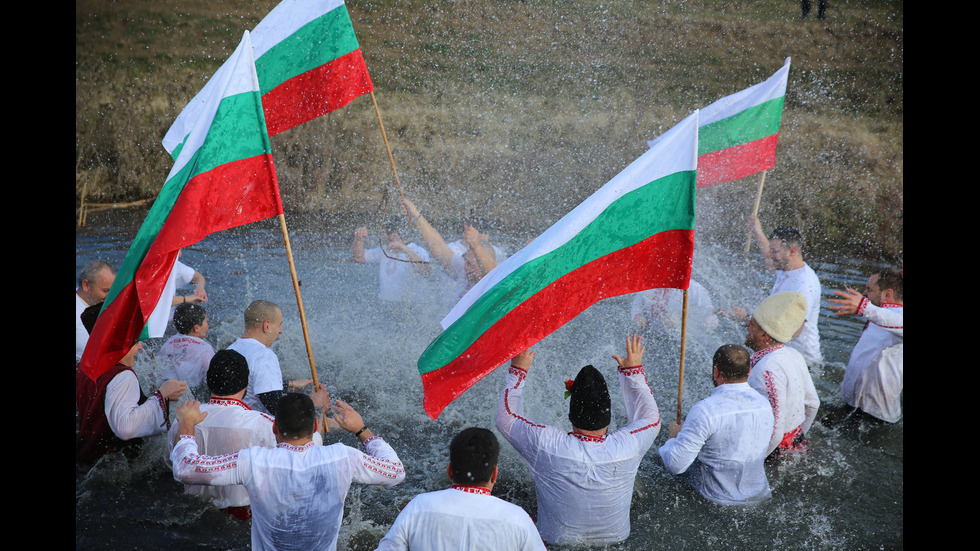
x: 875, y: 373
x: 466, y: 515
x: 297, y: 489
x: 782, y: 251
x: 584, y: 478
x: 263, y: 325
x: 229, y: 426
x: 779, y: 372
x: 725, y: 439
x: 473, y: 257
x: 401, y: 267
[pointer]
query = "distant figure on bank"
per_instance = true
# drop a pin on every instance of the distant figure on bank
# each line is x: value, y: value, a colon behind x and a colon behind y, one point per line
x: 584, y: 479
x: 186, y: 355
x: 263, y: 325
x: 229, y: 426
x: 725, y: 440
x: 466, y: 515
x: 401, y: 267
x: 94, y: 283
x: 875, y: 373
x: 661, y: 311
x: 464, y: 267
x: 113, y: 413
x: 181, y: 276
x: 783, y: 254
x: 779, y: 372
x: 821, y: 8
x: 297, y: 489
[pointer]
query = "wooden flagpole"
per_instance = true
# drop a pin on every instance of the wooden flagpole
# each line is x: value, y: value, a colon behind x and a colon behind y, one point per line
x: 302, y: 312
x: 391, y: 157
x: 680, y: 384
x: 755, y: 210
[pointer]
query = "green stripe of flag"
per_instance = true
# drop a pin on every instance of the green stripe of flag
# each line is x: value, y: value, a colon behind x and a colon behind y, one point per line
x: 306, y: 49
x: 668, y: 200
x: 754, y: 123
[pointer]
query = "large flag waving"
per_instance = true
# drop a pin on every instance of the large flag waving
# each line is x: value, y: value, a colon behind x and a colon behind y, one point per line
x: 634, y: 233
x: 308, y: 61
x: 738, y: 133
x: 224, y: 177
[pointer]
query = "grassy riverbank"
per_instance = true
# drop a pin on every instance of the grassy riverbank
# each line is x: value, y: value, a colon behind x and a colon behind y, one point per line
x: 521, y: 109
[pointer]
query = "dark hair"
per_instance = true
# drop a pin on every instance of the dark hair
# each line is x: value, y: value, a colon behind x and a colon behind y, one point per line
x: 295, y: 415
x: 890, y: 278
x: 393, y: 225
x: 790, y: 236
x: 90, y: 315
x: 187, y: 315
x: 590, y: 407
x: 732, y: 362
x: 227, y: 373
x: 473, y: 455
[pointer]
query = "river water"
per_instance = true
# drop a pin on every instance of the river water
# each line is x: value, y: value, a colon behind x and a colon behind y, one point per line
x: 847, y: 492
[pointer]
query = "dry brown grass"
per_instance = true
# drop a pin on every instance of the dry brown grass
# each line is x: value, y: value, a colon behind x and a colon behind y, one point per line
x: 522, y: 109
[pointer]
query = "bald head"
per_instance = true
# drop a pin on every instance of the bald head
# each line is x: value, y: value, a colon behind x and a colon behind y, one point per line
x: 263, y: 322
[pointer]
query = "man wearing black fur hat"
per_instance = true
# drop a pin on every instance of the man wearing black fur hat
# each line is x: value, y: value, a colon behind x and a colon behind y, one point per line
x: 230, y: 426
x: 584, y: 478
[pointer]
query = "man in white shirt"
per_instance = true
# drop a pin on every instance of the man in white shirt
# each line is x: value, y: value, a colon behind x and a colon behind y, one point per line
x: 230, y: 426
x: 94, y: 283
x: 401, y: 267
x: 783, y: 254
x: 263, y: 325
x: 584, y: 479
x: 473, y: 258
x: 297, y: 489
x: 113, y: 413
x: 875, y: 373
x: 466, y: 515
x: 725, y: 439
x: 779, y: 372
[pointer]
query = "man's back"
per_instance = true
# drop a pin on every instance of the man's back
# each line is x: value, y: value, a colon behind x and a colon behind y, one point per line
x: 462, y: 517
x: 780, y: 373
x: 805, y: 281
x: 728, y: 433
x: 264, y: 372
x: 584, y: 485
x: 229, y: 427
x: 297, y: 493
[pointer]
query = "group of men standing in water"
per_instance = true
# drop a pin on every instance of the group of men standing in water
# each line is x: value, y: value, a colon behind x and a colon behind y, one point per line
x: 763, y: 405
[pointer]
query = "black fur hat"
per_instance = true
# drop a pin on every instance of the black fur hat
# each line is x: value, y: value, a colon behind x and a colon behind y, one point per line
x: 590, y: 407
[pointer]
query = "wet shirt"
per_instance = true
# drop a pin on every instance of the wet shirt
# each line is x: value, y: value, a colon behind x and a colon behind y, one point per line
x: 264, y: 372
x: 584, y: 485
x: 780, y: 374
x: 724, y: 443
x: 297, y: 493
x: 875, y: 371
x: 462, y: 517
x: 805, y: 281
x: 399, y: 279
x: 186, y: 358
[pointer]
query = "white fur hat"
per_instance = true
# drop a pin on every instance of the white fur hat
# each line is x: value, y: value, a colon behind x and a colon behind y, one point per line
x: 781, y: 315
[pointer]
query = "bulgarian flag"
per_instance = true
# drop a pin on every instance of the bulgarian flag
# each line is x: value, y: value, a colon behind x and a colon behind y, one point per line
x: 738, y: 133
x: 224, y: 177
x: 634, y: 233
x: 309, y: 64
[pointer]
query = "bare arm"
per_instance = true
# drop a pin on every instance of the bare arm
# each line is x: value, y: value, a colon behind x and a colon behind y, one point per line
x: 357, y: 247
x: 755, y: 227
x: 433, y: 241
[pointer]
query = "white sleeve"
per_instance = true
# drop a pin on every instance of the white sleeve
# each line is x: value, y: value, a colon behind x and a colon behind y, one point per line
x: 811, y: 403
x: 522, y: 434
x: 222, y: 470
x: 889, y: 319
x: 397, y: 539
x: 379, y: 466
x: 679, y: 453
x: 183, y: 274
x: 642, y: 412
x: 268, y: 373
x: 127, y: 417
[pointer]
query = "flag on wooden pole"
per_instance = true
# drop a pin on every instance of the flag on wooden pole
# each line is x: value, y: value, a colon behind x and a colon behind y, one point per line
x: 308, y: 62
x: 738, y: 133
x: 634, y: 233
x: 223, y: 177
